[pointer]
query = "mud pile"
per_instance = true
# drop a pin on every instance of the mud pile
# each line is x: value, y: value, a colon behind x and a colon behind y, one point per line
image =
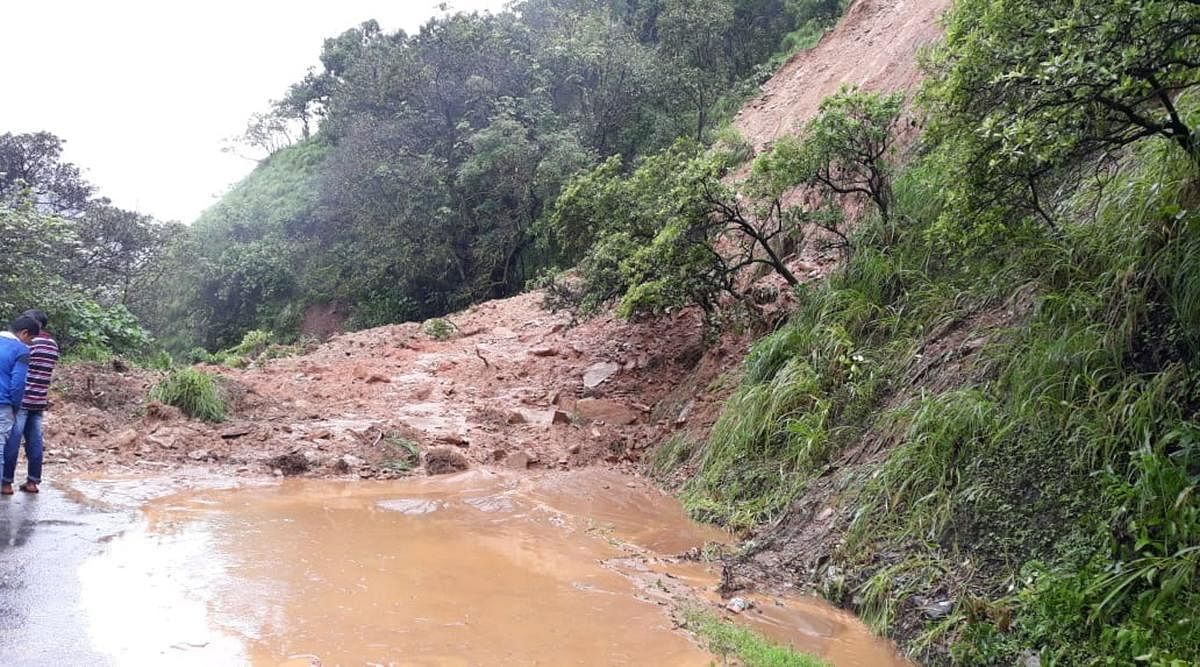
x: 513, y: 386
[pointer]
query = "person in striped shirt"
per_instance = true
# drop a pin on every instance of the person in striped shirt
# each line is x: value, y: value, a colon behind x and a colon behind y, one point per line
x: 43, y: 355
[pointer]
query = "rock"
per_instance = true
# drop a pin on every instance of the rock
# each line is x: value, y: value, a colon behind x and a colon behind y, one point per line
x: 124, y: 439
x: 560, y: 417
x: 607, y: 411
x: 292, y: 463
x: 231, y: 432
x: 456, y: 439
x: 596, y: 374
x: 685, y: 412
x: 348, y: 463
x: 738, y: 605
x: 574, y: 449
x: 544, y: 352
x: 376, y: 378
x: 443, y: 460
x: 198, y: 454
x: 518, y: 460
x: 312, y: 458
x: 321, y: 434
x: 499, y: 454
x: 1030, y: 659
x: 938, y: 609
x: 277, y: 472
x: 156, y: 411
x: 530, y: 416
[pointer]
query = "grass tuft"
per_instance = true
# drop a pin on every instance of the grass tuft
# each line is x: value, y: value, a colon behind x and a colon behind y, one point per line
x: 731, y: 641
x: 194, y: 392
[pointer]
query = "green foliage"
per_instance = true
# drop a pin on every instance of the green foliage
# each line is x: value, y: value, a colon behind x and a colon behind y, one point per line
x: 440, y: 155
x: 195, y: 392
x: 78, y: 320
x: 670, y: 234
x: 729, y: 640
x: 160, y: 361
x: 439, y: 328
x: 253, y: 344
x: 402, y: 454
x: 87, y: 354
x: 846, y: 150
x: 1060, y: 462
x: 199, y: 355
x: 1022, y: 92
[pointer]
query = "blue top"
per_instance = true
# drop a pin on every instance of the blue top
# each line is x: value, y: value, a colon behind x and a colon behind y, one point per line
x: 14, y: 364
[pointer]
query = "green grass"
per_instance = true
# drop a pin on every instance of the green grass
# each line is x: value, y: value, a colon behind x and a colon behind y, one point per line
x: 743, y: 646
x: 1048, y: 488
x: 194, y: 392
x: 87, y: 353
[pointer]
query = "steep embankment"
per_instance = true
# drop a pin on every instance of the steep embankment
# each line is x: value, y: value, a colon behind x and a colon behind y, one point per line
x: 875, y: 47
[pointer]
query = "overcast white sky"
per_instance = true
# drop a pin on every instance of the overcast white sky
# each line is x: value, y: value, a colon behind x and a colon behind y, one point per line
x: 145, y: 91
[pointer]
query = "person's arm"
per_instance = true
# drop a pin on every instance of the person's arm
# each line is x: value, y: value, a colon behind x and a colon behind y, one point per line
x: 16, y: 385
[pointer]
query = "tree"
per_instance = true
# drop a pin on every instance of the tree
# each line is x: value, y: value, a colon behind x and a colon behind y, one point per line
x: 844, y: 151
x: 31, y: 165
x: 670, y: 234
x: 1028, y: 89
x: 693, y: 34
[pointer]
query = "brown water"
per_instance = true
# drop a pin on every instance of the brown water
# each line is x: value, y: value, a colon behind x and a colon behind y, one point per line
x: 473, y: 569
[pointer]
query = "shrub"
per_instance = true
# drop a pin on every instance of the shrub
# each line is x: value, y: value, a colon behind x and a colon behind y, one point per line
x: 193, y: 391
x: 439, y: 328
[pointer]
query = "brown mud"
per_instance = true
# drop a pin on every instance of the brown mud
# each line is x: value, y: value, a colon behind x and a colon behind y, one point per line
x: 476, y: 568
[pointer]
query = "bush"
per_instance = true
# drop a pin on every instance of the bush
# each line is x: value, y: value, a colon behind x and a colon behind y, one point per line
x: 87, y: 353
x: 199, y: 355
x: 160, y: 361
x: 439, y: 328
x: 193, y: 391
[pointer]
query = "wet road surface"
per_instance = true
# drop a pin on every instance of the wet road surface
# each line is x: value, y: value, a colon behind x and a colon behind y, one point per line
x: 44, y: 541
x: 471, y: 569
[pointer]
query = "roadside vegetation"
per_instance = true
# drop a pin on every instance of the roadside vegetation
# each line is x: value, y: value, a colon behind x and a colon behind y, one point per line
x: 741, y: 646
x: 1039, y: 475
x: 193, y: 391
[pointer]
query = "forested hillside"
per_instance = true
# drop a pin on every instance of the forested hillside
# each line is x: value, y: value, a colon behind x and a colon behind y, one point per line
x: 423, y: 161
x: 72, y: 253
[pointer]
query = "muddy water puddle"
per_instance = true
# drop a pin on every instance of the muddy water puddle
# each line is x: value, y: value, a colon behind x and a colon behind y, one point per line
x: 479, y: 568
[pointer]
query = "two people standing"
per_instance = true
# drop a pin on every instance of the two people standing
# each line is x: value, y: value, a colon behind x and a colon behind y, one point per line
x: 28, y: 354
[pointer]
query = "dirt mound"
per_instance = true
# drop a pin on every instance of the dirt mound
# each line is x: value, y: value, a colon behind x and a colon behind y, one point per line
x: 515, y: 386
x: 874, y: 47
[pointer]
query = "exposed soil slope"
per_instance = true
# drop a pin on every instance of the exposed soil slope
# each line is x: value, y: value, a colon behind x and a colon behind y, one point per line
x: 874, y: 46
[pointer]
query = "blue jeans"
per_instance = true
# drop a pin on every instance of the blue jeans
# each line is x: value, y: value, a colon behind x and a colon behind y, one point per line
x: 28, y: 425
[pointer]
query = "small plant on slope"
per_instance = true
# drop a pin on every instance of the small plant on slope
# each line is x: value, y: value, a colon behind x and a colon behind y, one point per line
x: 194, y: 392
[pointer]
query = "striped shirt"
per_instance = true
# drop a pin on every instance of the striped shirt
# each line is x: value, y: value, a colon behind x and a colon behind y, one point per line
x: 43, y: 355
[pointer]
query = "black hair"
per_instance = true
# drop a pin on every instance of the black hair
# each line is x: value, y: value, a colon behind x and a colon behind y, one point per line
x: 38, y: 315
x: 25, y: 323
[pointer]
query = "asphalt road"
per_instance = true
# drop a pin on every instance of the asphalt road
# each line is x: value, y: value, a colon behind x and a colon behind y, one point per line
x: 44, y: 539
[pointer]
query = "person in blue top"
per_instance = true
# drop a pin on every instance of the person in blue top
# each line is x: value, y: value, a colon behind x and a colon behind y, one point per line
x: 14, y: 365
